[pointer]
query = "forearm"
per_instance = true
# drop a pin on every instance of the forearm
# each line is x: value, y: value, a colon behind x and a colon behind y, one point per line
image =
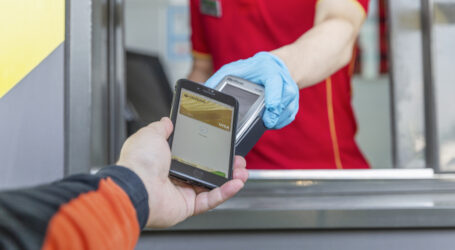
x: 82, y: 210
x: 201, y: 69
x: 319, y: 52
x: 328, y: 46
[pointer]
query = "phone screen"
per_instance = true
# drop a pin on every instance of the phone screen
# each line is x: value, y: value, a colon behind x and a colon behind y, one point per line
x: 245, y: 98
x: 203, y: 133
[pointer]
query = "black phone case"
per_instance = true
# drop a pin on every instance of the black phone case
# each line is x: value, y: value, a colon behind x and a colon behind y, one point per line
x: 189, y: 173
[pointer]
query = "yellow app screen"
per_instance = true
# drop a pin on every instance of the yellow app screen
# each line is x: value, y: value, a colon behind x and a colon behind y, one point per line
x: 202, y: 133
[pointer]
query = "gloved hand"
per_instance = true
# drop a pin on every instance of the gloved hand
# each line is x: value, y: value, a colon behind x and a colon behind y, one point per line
x: 281, y: 92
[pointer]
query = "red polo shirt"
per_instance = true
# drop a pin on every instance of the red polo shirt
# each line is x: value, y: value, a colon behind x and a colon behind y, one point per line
x: 322, y: 134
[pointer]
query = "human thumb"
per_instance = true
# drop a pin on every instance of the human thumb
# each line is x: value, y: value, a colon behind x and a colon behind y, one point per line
x: 163, y: 127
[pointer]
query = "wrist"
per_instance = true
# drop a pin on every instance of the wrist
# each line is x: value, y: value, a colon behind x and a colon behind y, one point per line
x: 145, y: 172
x: 283, y: 55
x: 133, y: 186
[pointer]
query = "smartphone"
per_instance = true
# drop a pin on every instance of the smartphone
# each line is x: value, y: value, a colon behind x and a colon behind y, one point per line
x: 202, y: 143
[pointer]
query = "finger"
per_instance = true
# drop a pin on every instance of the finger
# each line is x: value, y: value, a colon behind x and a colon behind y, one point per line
x: 241, y: 174
x: 240, y: 68
x: 290, y: 100
x: 288, y: 114
x: 273, y: 95
x: 209, y: 200
x: 168, y: 125
x: 240, y: 171
x: 163, y: 127
x: 216, y: 78
x: 239, y: 162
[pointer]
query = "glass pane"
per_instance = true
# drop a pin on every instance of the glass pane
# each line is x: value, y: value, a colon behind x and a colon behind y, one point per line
x: 407, y: 93
x: 444, y: 80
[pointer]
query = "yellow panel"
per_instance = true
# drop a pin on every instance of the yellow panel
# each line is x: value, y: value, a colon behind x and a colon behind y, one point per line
x: 29, y: 31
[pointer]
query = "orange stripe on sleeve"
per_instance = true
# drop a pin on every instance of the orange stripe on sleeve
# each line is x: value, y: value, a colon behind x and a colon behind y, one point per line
x: 353, y: 60
x: 361, y: 6
x: 101, y: 219
x: 201, y: 55
x: 332, y: 127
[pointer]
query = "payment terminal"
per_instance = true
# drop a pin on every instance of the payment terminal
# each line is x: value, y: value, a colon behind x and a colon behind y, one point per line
x: 250, y: 97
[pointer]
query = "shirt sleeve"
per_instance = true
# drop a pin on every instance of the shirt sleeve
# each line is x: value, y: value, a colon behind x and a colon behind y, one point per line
x: 102, y: 211
x: 198, y: 40
x: 363, y: 4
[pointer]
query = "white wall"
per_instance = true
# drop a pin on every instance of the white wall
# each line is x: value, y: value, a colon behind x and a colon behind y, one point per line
x: 160, y: 27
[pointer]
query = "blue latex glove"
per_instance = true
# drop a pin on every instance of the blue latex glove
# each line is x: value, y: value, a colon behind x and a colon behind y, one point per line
x: 281, y: 92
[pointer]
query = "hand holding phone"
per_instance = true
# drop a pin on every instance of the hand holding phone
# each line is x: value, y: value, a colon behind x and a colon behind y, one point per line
x: 147, y: 153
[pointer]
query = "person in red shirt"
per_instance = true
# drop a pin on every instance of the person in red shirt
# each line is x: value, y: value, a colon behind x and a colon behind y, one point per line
x: 300, y: 51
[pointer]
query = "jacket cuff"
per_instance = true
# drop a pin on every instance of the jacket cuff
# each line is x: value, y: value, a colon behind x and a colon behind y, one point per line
x: 133, y: 186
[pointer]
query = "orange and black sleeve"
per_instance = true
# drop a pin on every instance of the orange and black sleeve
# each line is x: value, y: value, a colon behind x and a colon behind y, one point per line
x: 102, y: 211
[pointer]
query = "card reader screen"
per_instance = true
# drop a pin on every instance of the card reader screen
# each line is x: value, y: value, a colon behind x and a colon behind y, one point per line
x: 245, y: 98
x: 203, y: 132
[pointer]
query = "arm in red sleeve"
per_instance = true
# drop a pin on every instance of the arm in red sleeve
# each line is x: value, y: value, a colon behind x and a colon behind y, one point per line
x: 198, y: 40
